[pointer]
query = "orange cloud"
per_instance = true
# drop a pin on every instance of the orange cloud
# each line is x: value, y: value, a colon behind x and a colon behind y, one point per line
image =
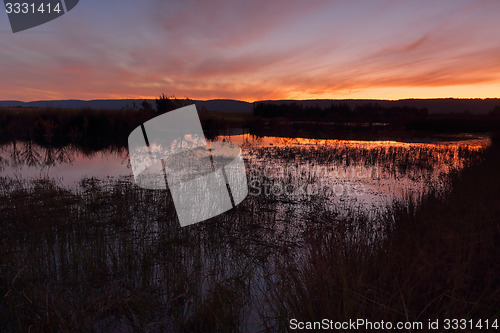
x: 259, y: 50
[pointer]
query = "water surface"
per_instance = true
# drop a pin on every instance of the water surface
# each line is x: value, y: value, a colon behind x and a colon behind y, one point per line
x: 365, y: 175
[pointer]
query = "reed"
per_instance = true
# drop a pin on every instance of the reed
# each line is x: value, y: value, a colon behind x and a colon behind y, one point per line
x: 438, y: 259
x: 111, y: 256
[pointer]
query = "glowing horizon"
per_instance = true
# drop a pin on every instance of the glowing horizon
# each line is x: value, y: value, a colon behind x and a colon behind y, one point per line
x: 257, y: 51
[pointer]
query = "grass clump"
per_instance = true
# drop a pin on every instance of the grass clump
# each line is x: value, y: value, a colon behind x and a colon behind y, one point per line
x: 438, y: 259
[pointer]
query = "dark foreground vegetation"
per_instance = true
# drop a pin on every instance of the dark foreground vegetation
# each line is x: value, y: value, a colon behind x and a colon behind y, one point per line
x: 439, y: 259
x: 111, y: 256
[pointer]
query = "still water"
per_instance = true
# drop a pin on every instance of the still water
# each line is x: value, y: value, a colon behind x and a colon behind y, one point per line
x: 365, y: 175
x: 114, y: 234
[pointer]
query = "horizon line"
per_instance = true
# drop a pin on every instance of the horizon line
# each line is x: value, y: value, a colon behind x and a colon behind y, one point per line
x: 247, y: 101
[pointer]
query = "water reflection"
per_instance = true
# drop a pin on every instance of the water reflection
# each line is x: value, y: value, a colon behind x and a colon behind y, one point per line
x: 68, y: 164
x: 108, y: 239
x: 363, y: 175
x: 366, y: 174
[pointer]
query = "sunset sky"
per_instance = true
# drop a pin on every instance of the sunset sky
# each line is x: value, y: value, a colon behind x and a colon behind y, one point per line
x: 256, y: 50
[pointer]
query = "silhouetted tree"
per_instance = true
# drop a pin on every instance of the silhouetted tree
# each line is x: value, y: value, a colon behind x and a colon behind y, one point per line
x: 146, y: 106
x: 165, y: 103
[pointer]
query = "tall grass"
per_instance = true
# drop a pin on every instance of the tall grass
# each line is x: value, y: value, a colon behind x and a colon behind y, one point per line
x: 438, y: 259
x: 111, y: 256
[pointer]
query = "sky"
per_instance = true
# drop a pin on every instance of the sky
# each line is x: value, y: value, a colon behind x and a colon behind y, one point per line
x: 256, y: 50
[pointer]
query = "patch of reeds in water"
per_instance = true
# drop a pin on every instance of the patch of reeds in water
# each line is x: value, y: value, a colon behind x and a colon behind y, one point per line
x: 111, y: 256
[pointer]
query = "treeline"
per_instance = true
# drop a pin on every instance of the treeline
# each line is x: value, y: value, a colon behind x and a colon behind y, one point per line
x: 92, y: 129
x: 96, y: 129
x: 367, y: 113
x: 410, y: 118
x: 88, y: 128
x: 458, y: 122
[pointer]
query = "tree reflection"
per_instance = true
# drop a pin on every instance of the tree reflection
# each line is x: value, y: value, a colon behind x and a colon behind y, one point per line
x: 15, y: 155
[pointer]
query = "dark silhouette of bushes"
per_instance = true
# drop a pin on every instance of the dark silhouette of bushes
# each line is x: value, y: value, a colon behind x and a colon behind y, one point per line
x: 367, y: 113
x: 90, y: 129
x: 458, y: 122
x: 165, y: 103
x: 410, y: 118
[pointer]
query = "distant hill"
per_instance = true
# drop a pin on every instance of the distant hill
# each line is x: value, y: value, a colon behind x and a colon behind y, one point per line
x: 218, y: 105
x: 435, y: 106
x: 104, y: 104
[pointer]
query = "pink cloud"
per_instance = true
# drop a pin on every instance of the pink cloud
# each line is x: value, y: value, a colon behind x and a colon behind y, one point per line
x: 255, y: 50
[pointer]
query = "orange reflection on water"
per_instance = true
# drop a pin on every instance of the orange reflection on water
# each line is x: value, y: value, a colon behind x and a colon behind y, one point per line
x: 474, y: 144
x: 395, y: 168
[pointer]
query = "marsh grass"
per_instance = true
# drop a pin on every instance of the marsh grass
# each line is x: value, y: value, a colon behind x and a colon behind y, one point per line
x: 438, y: 259
x: 110, y: 256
